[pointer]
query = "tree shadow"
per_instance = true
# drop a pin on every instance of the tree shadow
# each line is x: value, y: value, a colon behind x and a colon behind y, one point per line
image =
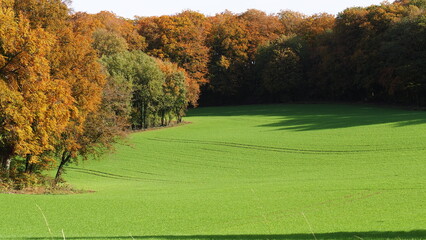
x: 308, y: 117
x: 416, y: 234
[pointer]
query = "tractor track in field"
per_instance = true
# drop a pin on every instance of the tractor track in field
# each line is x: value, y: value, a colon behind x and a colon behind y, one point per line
x: 121, y: 177
x: 145, y: 173
x: 268, y: 148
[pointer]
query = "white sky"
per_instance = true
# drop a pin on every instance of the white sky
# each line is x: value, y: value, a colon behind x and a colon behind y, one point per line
x: 131, y: 8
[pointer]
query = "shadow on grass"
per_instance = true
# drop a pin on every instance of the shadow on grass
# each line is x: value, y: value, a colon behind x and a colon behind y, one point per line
x: 307, y: 117
x: 416, y: 234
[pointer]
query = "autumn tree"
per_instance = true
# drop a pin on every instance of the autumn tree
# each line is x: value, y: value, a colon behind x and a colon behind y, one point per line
x: 124, y: 27
x: 262, y: 29
x: 78, y: 63
x: 103, y: 128
x: 291, y: 21
x: 88, y: 24
x: 51, y: 82
x: 315, y: 25
x: 229, y: 46
x: 234, y: 40
x: 180, y: 39
x: 50, y: 15
x: 35, y: 106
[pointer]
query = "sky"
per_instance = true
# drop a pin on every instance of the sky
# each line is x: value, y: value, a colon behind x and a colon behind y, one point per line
x: 131, y: 8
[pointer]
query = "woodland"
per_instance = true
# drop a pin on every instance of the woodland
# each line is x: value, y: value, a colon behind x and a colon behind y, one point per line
x: 73, y: 84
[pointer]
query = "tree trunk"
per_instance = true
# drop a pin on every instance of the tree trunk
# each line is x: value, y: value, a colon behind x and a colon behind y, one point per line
x: 144, y: 116
x: 169, y: 120
x: 142, y: 112
x: 163, y: 118
x: 179, y: 118
x: 28, y: 164
x: 64, y: 160
x: 5, y: 161
x: 7, y: 167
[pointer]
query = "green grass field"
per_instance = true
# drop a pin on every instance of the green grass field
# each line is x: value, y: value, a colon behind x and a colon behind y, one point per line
x: 250, y: 172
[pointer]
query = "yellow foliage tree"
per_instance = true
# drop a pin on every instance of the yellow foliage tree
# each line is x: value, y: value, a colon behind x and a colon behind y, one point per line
x: 34, y: 107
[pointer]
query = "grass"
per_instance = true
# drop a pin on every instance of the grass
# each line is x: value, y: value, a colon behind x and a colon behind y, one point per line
x: 250, y: 172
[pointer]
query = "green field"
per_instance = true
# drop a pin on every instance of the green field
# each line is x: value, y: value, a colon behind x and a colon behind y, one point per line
x: 251, y: 172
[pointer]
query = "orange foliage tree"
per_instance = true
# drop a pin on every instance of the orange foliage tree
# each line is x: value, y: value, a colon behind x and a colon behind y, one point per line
x: 261, y: 28
x: 85, y: 23
x: 72, y: 60
x: 291, y: 21
x: 35, y: 106
x: 229, y: 44
x: 180, y: 39
x: 316, y: 25
x: 234, y: 40
x: 50, y: 81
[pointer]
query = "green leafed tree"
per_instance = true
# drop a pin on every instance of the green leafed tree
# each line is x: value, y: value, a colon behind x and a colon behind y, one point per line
x: 174, y: 101
x: 108, y: 43
x: 147, y: 79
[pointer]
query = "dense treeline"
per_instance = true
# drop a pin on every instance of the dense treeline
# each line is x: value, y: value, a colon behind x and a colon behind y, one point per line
x: 72, y: 84
x: 374, y: 54
x: 370, y: 54
x: 364, y: 54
